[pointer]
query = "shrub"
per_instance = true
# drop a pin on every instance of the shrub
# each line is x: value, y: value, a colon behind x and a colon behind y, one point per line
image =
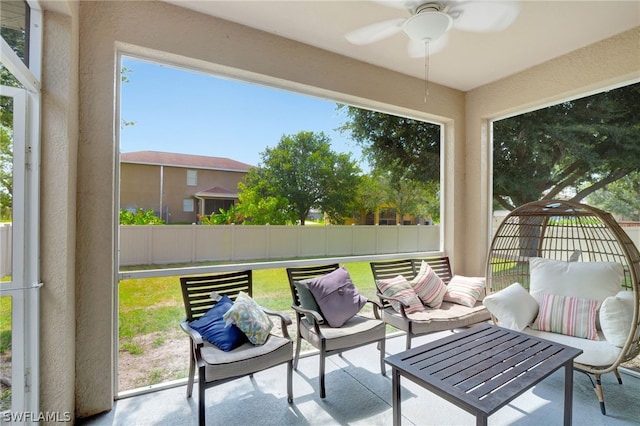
x: 139, y: 217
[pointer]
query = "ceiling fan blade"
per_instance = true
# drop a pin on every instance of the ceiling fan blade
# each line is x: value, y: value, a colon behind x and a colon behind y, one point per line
x: 375, y: 32
x: 484, y: 16
x: 417, y: 48
x: 410, y: 5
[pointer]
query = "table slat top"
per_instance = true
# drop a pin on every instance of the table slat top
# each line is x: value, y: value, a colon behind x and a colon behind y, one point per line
x: 484, y: 367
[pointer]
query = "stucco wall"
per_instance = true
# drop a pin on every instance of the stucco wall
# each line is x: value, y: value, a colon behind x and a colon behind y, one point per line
x: 59, y: 128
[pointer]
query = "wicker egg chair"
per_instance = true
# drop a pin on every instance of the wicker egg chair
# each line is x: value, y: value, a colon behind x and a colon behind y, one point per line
x: 568, y: 231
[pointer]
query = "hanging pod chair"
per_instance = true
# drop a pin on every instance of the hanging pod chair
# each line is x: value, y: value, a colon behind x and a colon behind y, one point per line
x: 569, y: 232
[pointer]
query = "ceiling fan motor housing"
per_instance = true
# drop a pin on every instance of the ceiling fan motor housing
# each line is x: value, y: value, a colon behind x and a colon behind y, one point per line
x: 428, y: 24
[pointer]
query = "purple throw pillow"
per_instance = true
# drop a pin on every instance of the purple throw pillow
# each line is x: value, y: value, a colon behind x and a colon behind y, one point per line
x: 336, y: 296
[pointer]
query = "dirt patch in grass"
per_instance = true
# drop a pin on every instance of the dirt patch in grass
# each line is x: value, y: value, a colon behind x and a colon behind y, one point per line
x: 161, y: 357
x: 5, y: 380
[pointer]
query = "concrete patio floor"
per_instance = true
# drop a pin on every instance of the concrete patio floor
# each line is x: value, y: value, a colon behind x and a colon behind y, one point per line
x: 357, y: 394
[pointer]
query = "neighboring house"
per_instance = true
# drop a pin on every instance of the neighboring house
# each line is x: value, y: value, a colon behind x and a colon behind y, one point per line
x: 179, y: 187
x: 385, y: 214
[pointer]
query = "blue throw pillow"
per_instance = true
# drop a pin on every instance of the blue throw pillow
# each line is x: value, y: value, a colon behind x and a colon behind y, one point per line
x: 213, y: 328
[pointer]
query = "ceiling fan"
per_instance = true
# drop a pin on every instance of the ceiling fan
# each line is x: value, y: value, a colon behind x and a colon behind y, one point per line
x: 430, y: 21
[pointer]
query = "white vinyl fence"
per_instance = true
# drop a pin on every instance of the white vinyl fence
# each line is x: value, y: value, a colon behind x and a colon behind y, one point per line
x: 5, y: 249
x: 147, y: 245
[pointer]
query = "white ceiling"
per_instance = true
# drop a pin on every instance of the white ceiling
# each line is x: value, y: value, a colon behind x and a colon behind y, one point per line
x: 543, y: 30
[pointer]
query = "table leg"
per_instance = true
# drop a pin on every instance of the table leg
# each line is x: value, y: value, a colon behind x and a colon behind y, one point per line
x: 395, y: 396
x: 568, y: 392
x: 481, y: 419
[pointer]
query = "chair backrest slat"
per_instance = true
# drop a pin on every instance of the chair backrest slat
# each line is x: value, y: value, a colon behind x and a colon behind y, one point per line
x: 196, y: 291
x: 392, y: 268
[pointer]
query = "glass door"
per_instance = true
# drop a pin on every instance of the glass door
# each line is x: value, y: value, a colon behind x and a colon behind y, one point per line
x: 20, y: 55
x: 19, y: 284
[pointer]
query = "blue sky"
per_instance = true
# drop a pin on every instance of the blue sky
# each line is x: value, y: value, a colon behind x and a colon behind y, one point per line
x: 191, y: 113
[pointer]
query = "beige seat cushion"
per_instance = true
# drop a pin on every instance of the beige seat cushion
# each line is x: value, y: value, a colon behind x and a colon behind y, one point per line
x: 448, y: 316
x: 246, y: 358
x: 358, y: 330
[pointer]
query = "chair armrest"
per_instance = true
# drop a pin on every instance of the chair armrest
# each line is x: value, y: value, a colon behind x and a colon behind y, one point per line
x: 377, y: 308
x: 197, y: 342
x: 285, y: 321
x: 318, y: 319
x: 195, y: 336
x: 402, y: 304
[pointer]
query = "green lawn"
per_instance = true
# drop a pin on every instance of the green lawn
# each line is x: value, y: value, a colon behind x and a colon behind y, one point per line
x: 5, y: 320
x: 155, y: 304
x: 151, y: 308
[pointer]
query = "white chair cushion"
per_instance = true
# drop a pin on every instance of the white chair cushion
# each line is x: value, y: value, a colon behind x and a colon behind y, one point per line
x: 513, y: 307
x: 594, y: 352
x: 616, y: 316
x: 588, y: 280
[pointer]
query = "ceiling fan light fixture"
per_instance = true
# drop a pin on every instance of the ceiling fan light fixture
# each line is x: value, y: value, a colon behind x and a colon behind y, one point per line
x: 427, y: 26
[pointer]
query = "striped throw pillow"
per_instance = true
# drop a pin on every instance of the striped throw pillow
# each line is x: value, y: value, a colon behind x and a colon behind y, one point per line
x: 465, y: 290
x: 567, y: 315
x: 400, y: 288
x: 428, y: 286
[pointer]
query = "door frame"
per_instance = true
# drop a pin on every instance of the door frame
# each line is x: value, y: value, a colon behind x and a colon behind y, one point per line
x: 24, y: 287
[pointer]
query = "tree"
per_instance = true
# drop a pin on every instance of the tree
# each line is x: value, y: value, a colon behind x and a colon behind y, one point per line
x: 299, y: 174
x: 6, y: 174
x: 408, y: 147
x: 620, y: 197
x: 416, y: 198
x: 576, y: 147
x: 6, y: 144
x: 405, y: 157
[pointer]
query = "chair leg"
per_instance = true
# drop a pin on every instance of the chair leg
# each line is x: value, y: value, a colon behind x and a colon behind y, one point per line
x: 600, y: 393
x: 201, y: 388
x: 408, y: 345
x: 321, y: 372
x: 297, y: 355
x: 192, y: 371
x: 290, y: 382
x: 617, y: 373
x: 381, y: 345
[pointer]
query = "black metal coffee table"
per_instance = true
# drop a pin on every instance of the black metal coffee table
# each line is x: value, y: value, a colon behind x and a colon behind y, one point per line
x: 482, y: 369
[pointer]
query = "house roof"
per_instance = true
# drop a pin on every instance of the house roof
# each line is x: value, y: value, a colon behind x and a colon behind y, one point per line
x: 216, y: 192
x: 183, y: 160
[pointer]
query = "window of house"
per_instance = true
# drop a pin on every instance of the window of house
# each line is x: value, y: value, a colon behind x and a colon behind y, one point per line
x: 215, y: 205
x: 192, y: 178
x: 187, y: 205
x: 387, y: 217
